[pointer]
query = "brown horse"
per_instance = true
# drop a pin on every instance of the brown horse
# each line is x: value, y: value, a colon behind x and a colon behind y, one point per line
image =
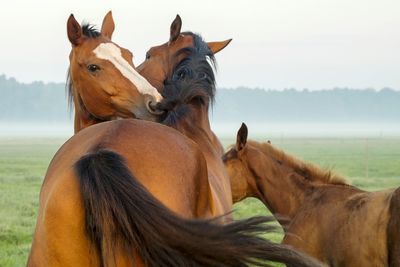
x: 322, y: 216
x: 188, y: 93
x: 102, y: 82
x: 162, y: 59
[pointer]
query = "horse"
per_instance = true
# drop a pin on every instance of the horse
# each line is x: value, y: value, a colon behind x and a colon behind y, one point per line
x: 322, y: 215
x: 118, y: 194
x: 187, y: 95
x: 161, y: 60
x: 102, y: 82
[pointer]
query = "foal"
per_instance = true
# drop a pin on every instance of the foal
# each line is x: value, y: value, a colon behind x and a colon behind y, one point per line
x: 322, y: 216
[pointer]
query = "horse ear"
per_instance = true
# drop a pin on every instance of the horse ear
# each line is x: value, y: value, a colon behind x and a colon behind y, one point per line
x: 74, y: 31
x: 108, y: 26
x: 215, y: 47
x: 241, y: 138
x: 175, y: 29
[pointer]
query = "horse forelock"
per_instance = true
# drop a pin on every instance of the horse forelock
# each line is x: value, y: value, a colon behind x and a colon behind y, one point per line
x: 90, y: 30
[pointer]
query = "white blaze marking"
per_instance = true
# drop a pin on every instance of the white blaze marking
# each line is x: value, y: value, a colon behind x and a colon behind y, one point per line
x: 112, y: 53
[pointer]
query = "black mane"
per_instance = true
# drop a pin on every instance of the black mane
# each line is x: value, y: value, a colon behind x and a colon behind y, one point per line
x: 192, y: 81
x: 89, y: 30
x: 69, y: 91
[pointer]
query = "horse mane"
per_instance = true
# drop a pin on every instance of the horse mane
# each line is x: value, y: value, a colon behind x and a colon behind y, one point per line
x: 90, y: 31
x: 191, y: 81
x: 307, y: 170
x: 69, y: 90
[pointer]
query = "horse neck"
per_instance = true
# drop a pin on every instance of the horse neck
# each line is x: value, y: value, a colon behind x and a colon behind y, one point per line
x: 211, y: 136
x: 82, y: 117
x: 280, y: 188
x: 81, y: 122
x: 196, y: 126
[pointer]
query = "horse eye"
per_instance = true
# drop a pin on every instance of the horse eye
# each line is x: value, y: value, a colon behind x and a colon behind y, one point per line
x: 202, y: 75
x: 147, y: 55
x: 93, y: 68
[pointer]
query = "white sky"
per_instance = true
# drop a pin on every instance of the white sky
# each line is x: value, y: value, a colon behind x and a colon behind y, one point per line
x: 276, y: 44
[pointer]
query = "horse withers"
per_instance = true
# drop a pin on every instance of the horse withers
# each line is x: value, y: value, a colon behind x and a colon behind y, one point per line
x: 323, y: 216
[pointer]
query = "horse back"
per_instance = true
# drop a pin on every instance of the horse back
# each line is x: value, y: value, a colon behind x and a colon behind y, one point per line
x: 393, y: 230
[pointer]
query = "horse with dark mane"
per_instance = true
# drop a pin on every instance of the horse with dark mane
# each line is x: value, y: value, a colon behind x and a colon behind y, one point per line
x: 188, y: 93
x: 137, y: 193
x: 323, y: 216
x: 161, y: 61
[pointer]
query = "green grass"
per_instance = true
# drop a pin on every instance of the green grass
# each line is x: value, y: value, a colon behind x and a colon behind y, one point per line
x: 23, y: 163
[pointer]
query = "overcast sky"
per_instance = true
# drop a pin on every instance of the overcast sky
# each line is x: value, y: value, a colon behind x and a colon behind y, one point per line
x: 315, y: 44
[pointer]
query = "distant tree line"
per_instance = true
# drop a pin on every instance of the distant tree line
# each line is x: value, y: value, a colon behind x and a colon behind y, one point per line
x: 36, y: 101
x: 47, y: 102
x: 336, y: 105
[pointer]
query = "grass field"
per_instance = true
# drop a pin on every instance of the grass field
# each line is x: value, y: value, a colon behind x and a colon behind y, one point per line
x: 370, y: 164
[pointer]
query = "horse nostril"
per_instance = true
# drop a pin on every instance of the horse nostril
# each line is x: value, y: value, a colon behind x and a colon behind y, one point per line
x: 152, y: 107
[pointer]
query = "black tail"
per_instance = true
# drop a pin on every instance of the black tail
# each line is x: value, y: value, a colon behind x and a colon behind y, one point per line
x: 121, y: 213
x: 393, y: 230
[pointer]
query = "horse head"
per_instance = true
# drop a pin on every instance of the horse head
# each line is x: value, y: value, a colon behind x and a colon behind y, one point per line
x: 161, y: 60
x: 103, y: 82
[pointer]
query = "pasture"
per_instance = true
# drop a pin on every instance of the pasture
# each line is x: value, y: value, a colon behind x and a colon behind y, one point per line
x: 370, y: 164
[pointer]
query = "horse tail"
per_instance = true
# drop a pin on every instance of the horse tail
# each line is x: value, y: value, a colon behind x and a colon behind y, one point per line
x: 393, y: 229
x: 121, y: 214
